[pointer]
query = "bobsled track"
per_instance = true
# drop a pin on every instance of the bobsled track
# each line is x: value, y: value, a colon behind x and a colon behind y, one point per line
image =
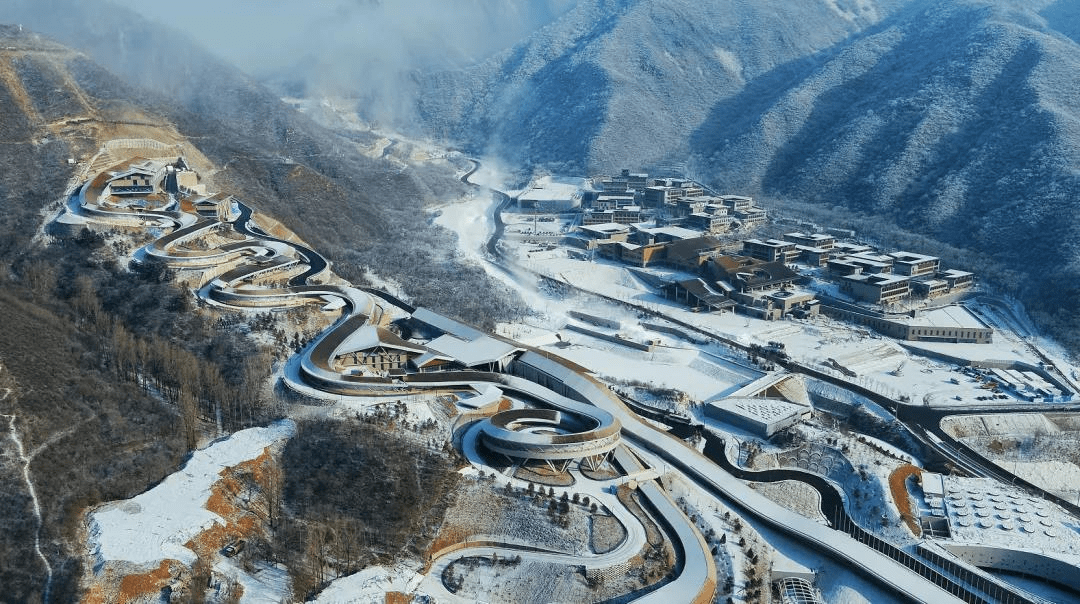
x: 562, y: 430
x: 573, y: 416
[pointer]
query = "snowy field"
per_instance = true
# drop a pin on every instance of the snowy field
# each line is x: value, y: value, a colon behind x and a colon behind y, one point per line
x: 155, y: 525
x: 684, y: 369
x: 369, y: 586
x: 1030, y: 445
x: 881, y: 363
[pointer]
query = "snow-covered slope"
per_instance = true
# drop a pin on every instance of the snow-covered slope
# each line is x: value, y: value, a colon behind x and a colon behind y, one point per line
x: 962, y: 121
x: 617, y: 82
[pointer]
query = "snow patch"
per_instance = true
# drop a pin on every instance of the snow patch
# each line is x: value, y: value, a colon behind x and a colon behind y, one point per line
x: 155, y: 525
x: 369, y: 586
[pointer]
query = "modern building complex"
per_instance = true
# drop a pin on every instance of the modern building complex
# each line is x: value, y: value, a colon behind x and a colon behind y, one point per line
x: 677, y: 224
x: 631, y: 198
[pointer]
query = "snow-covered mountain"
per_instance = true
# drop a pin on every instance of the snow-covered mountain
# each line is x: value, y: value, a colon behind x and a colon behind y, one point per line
x: 959, y: 120
x: 628, y: 82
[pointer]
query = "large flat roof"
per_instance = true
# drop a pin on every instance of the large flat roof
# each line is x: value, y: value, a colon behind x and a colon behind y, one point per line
x: 553, y: 189
x: 675, y: 232
x: 764, y: 410
x: 878, y: 278
x: 948, y: 316
x: 911, y: 257
x: 984, y: 512
x: 447, y: 325
x: 606, y: 228
x: 773, y: 243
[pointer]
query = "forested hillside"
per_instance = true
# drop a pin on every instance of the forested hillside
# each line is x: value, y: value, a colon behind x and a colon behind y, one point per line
x: 108, y: 374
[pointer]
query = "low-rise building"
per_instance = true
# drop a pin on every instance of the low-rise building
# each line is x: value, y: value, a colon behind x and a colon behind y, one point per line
x: 843, y: 267
x: 549, y: 194
x: 643, y: 255
x: 374, y: 349
x: 636, y: 181
x: 914, y: 265
x: 608, y: 231
x: 953, y: 324
x: 665, y: 234
x: 466, y: 345
x: 877, y: 288
x: 686, y: 206
x: 625, y: 215
x: 843, y: 248
x: 737, y: 203
x: 760, y: 416
x: 957, y: 279
x: 771, y: 250
x: 136, y: 180
x: 612, y: 201
x: 699, y: 295
x: 930, y: 288
x: 788, y: 301
x: 813, y: 256
x: 691, y: 254
x: 710, y: 223
x: 872, y: 262
x: 632, y: 253
x: 864, y: 262
x: 752, y: 217
x: 746, y: 274
x: 658, y: 197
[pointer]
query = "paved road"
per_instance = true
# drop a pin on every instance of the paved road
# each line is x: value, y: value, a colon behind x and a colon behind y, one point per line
x: 315, y: 261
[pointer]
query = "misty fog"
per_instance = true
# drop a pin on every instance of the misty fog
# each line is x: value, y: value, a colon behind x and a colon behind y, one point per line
x: 364, y: 49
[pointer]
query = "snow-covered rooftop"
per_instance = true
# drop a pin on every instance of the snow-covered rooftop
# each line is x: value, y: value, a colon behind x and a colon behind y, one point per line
x: 370, y: 336
x: 470, y: 353
x: 982, y: 511
x: 447, y: 325
x: 675, y: 232
x: 948, y: 316
x: 764, y: 410
x: 553, y: 188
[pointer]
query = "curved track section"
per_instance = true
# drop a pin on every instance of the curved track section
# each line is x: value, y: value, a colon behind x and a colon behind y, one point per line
x: 566, y: 430
x: 547, y: 434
